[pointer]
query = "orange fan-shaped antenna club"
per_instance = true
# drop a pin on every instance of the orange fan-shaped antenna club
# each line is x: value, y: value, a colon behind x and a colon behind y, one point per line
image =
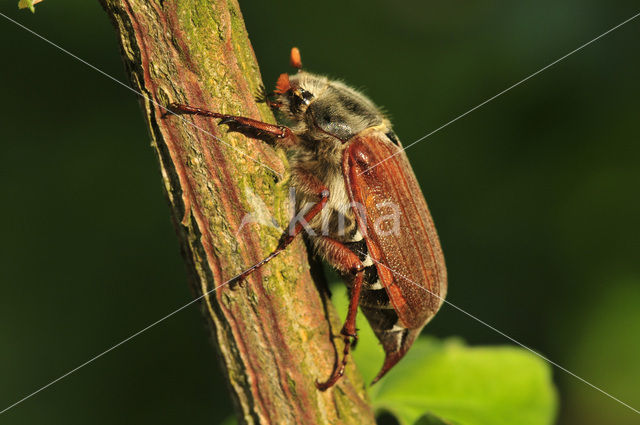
x: 283, y: 84
x: 295, y: 60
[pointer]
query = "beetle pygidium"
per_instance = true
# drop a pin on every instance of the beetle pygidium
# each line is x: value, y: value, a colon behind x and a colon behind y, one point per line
x: 364, y: 212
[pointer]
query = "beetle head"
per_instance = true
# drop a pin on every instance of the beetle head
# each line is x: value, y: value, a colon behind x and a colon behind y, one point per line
x: 323, y: 108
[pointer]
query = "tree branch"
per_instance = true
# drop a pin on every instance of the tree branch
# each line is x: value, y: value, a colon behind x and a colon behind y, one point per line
x: 272, y: 333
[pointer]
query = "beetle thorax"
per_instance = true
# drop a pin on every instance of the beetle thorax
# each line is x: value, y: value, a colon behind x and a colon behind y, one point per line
x: 325, y: 114
x: 323, y: 110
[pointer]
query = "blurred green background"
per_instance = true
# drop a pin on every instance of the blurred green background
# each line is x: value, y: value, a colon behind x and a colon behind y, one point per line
x: 535, y: 196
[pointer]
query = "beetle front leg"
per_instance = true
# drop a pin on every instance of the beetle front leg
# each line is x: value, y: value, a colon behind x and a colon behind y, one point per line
x: 295, y: 227
x: 282, y: 135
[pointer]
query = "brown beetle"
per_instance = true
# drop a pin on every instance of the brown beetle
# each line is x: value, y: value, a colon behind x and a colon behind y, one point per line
x: 360, y: 205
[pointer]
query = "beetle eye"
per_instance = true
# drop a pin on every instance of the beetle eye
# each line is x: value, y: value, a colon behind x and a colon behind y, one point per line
x: 298, y: 98
x: 306, y: 95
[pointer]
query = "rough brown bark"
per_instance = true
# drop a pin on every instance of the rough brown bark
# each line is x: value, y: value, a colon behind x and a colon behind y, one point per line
x: 272, y: 333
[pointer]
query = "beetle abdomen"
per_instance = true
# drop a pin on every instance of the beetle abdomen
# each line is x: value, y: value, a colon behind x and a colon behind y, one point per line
x: 382, y: 317
x: 385, y: 323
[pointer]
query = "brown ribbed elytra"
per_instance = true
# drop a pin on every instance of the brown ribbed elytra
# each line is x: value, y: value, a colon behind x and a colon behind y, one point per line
x: 349, y: 171
x: 409, y: 262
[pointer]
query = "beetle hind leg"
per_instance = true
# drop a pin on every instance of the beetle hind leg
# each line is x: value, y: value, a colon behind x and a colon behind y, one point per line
x: 348, y: 332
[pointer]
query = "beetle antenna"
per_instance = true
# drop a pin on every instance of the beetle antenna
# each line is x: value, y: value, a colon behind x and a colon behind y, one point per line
x: 295, y: 60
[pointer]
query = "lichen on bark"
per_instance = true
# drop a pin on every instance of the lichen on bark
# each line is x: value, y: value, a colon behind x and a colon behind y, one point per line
x: 272, y: 333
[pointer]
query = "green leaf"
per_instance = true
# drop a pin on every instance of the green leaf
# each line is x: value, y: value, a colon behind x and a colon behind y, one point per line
x: 448, y: 382
x: 469, y: 386
x: 428, y: 419
x: 28, y: 4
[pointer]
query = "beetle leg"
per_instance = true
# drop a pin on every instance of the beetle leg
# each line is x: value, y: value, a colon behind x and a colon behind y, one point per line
x: 294, y: 229
x: 282, y: 134
x: 347, y: 261
x: 349, y: 333
x: 263, y: 96
x: 338, y: 255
